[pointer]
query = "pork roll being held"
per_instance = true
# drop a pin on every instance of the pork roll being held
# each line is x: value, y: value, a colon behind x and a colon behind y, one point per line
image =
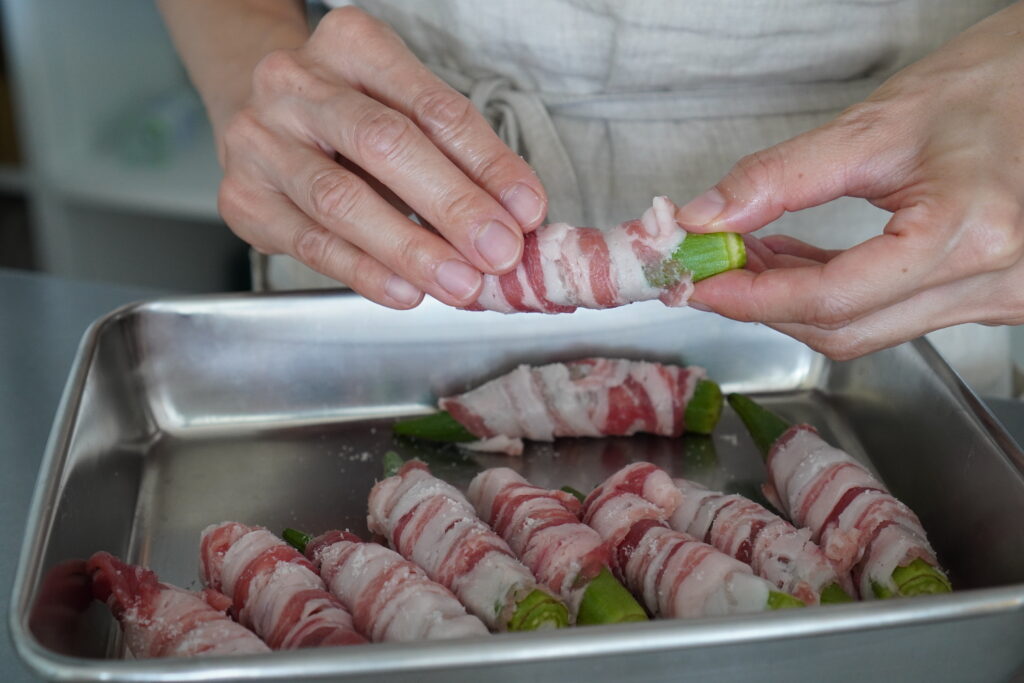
x: 565, y: 267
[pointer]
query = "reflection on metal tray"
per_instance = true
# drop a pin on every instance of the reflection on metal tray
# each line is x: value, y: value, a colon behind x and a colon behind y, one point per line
x: 276, y: 410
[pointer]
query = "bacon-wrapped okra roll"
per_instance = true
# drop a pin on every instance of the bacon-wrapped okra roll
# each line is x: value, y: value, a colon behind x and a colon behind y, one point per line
x: 431, y: 523
x: 567, y: 556
x: 774, y: 548
x: 587, y: 397
x: 274, y: 590
x: 859, y: 525
x: 390, y: 598
x: 565, y: 267
x: 674, y: 574
x: 160, y: 620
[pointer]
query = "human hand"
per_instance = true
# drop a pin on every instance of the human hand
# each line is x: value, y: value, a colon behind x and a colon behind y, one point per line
x: 941, y: 145
x: 339, y: 132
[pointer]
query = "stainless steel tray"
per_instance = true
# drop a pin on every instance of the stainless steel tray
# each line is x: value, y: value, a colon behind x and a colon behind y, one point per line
x: 275, y: 410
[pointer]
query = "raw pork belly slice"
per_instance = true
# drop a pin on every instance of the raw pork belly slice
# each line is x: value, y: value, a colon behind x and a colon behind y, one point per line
x: 774, y: 548
x: 273, y: 588
x: 565, y: 267
x: 431, y: 523
x: 390, y: 598
x: 861, y: 527
x: 672, y: 572
x: 160, y: 620
x: 588, y: 397
x: 544, y: 530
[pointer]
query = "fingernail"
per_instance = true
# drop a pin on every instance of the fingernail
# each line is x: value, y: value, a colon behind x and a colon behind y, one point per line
x: 524, y: 204
x: 401, y: 290
x: 498, y: 245
x: 699, y: 306
x: 459, y: 279
x: 702, y: 209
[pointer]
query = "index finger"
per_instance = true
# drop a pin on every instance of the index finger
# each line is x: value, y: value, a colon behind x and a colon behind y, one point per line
x: 875, y: 274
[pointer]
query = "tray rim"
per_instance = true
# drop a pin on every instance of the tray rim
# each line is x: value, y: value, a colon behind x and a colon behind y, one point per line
x: 383, y: 658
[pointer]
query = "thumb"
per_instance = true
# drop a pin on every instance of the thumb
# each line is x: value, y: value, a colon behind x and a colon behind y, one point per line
x: 810, y: 169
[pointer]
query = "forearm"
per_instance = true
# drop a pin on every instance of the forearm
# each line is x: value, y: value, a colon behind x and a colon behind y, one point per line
x: 221, y: 42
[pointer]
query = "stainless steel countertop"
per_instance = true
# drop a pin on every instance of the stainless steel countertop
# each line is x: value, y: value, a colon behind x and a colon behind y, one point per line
x: 42, y: 319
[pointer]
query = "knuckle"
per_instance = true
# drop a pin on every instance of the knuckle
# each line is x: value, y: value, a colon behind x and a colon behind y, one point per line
x: 862, y: 120
x: 408, y: 253
x: 457, y: 206
x: 839, y: 346
x: 997, y: 237
x: 244, y: 132
x: 383, y: 135
x: 277, y: 71
x: 759, y: 169
x: 348, y: 21
x: 362, y: 271
x: 360, y: 32
x: 831, y: 317
x: 496, y: 168
x: 443, y: 110
x: 312, y: 246
x: 232, y: 203
x: 833, y: 311
x: 334, y: 195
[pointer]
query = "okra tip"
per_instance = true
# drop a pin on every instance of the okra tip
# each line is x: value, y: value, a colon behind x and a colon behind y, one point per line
x: 296, y: 539
x: 704, y: 408
x: 576, y: 493
x: 392, y: 463
x: 921, y: 578
x: 834, y: 594
x: 765, y: 427
x: 780, y: 600
x: 606, y: 601
x: 440, y: 426
x: 538, y: 610
x: 707, y: 254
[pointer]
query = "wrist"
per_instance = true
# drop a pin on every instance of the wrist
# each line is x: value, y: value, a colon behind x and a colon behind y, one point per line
x: 221, y: 43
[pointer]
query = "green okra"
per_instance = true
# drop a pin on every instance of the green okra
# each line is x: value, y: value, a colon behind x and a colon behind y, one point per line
x: 780, y: 600
x: 765, y: 427
x: 579, y: 495
x: 916, y: 578
x: 296, y: 539
x: 834, y: 593
x: 704, y: 408
x: 538, y: 610
x: 700, y: 256
x: 440, y: 426
x: 606, y: 601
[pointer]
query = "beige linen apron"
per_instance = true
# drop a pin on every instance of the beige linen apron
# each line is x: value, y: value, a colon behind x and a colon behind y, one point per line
x: 615, y: 102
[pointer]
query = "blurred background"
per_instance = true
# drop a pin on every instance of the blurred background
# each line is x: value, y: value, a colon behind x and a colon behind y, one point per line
x: 107, y: 166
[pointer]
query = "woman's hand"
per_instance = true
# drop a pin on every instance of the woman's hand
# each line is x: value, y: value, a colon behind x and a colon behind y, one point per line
x: 941, y: 145
x: 340, y: 137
